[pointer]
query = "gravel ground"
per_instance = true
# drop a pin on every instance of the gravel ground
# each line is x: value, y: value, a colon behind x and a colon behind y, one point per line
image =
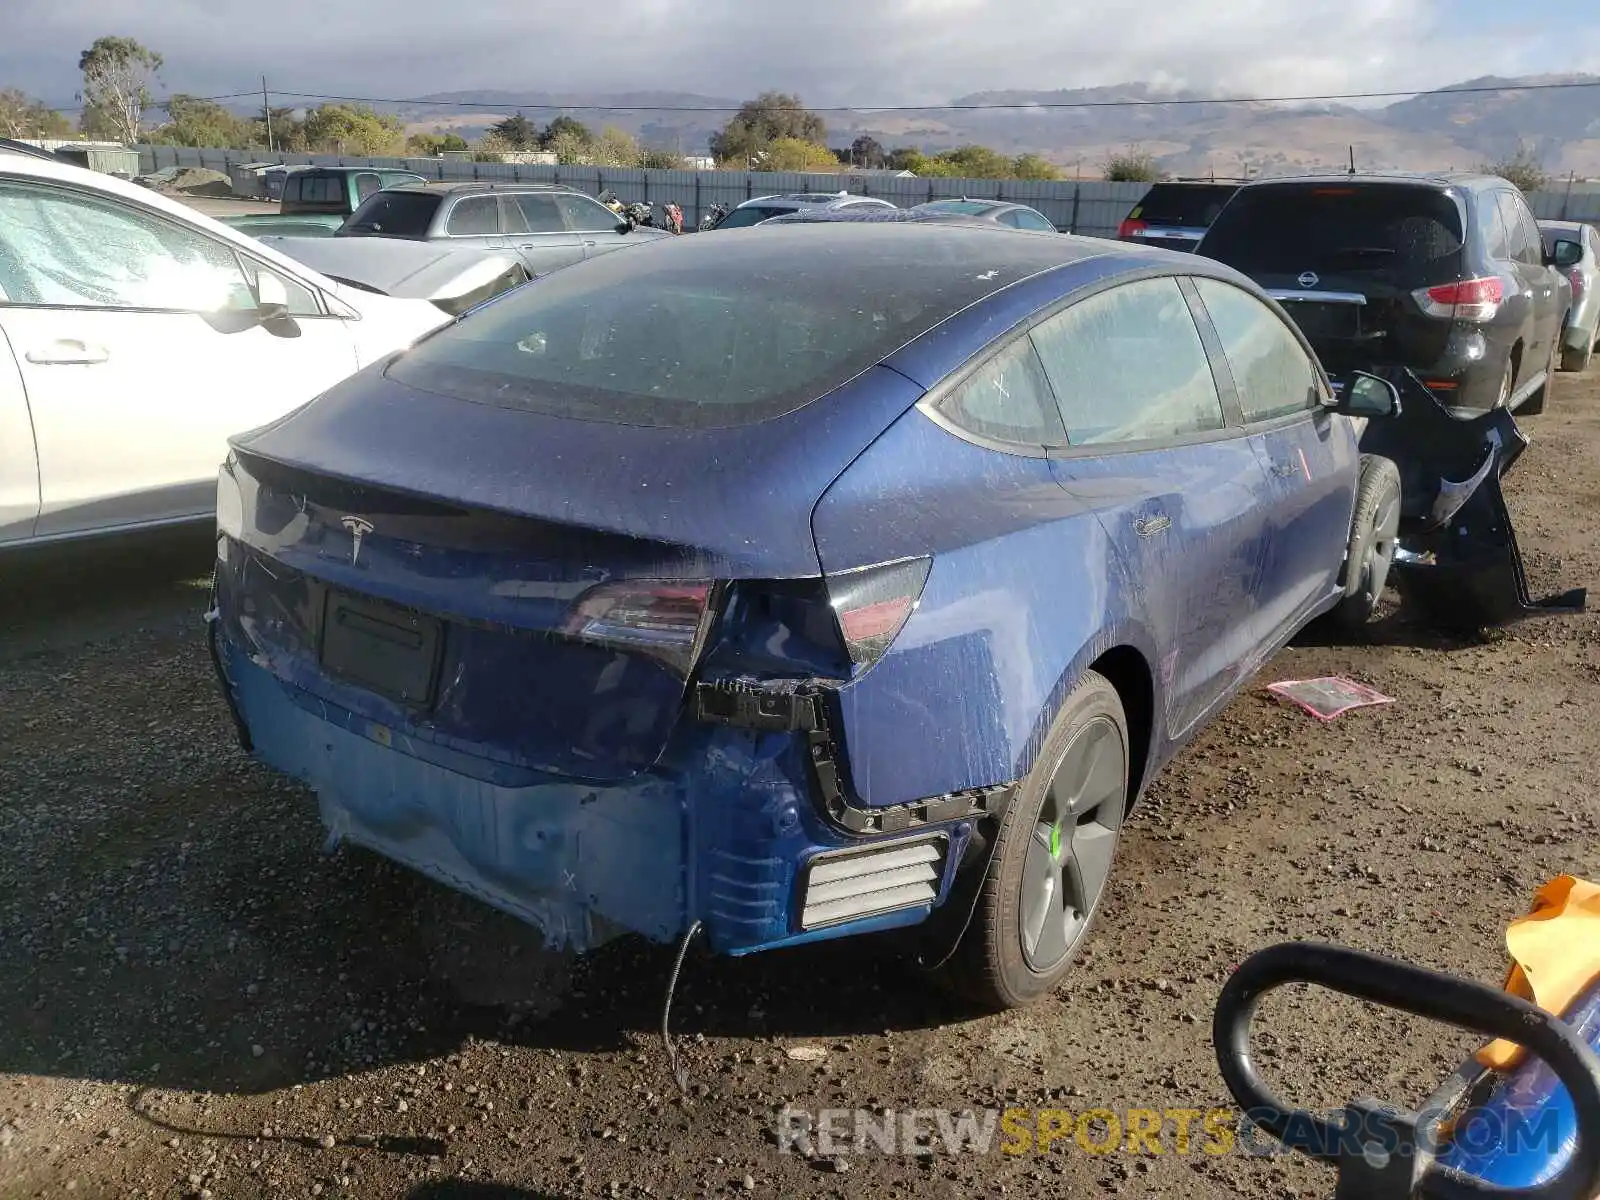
x: 199, y: 1003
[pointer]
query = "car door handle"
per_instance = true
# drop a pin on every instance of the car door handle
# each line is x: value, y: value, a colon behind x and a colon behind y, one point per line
x: 68, y: 352
x: 1151, y: 526
x: 590, y: 242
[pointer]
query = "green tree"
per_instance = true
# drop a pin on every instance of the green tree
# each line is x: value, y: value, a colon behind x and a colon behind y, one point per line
x: 867, y: 152
x: 1523, y: 168
x: 904, y: 158
x: 431, y: 145
x: 1031, y: 166
x: 1132, y: 166
x: 762, y: 121
x: 354, y: 129
x: 567, y: 130
x: 615, y: 148
x: 796, y: 154
x: 517, y: 132
x: 116, y: 87
x: 661, y: 160
x: 197, y: 122
x: 975, y: 162
x: 569, y: 148
x: 23, y: 116
x: 288, y: 131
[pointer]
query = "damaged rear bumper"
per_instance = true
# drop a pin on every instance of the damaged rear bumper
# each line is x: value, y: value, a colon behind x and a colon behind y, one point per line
x: 1457, y: 556
x: 731, y: 838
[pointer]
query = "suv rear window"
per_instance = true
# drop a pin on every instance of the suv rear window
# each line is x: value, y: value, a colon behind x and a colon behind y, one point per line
x: 706, y: 332
x: 393, y: 214
x: 754, y: 214
x: 1183, y: 205
x: 1335, y: 228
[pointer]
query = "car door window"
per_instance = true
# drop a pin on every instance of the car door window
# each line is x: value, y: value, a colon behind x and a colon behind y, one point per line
x: 1272, y: 372
x: 542, y: 215
x: 475, y: 216
x: 1493, y: 229
x: 1010, y: 218
x: 1032, y: 220
x: 511, y: 218
x: 1128, y: 365
x: 303, y: 302
x: 59, y: 247
x: 366, y: 184
x: 585, y: 215
x: 1007, y: 399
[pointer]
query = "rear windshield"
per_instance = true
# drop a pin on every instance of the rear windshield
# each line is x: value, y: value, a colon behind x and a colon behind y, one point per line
x: 1183, y: 205
x: 314, y: 189
x: 393, y: 214
x: 970, y: 208
x: 1338, y: 228
x: 754, y: 214
x: 702, y: 332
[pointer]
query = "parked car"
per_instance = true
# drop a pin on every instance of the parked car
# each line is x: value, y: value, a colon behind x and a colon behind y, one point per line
x: 1583, y: 318
x: 339, y: 190
x: 764, y: 208
x: 873, y: 580
x: 451, y: 278
x: 1175, y: 216
x: 1001, y: 212
x: 549, y: 226
x: 136, y: 335
x: 1444, y: 274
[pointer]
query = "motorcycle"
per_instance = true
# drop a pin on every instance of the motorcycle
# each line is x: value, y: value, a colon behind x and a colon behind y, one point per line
x: 713, y: 217
x: 1519, y: 1118
x: 640, y: 214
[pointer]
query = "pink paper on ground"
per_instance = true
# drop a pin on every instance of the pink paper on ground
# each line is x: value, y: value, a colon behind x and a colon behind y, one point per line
x: 1328, y: 697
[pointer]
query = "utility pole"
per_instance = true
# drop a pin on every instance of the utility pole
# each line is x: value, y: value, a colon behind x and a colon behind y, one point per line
x: 266, y: 113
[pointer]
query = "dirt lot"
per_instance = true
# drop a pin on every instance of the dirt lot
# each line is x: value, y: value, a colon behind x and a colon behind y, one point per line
x: 198, y: 1002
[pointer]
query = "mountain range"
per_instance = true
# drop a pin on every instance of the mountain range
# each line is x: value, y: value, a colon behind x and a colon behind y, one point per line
x: 1460, y: 126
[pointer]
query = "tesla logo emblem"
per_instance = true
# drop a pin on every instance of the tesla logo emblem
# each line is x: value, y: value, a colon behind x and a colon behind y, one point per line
x: 1308, y: 279
x: 359, y: 528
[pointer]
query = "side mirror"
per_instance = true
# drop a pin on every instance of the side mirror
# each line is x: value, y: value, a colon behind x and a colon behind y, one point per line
x: 272, y: 298
x: 1566, y: 254
x: 1368, y: 396
x: 624, y: 226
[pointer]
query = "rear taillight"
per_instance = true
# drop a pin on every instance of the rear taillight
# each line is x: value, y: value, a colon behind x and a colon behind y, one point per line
x: 665, y: 619
x: 1469, y: 300
x: 1575, y: 277
x: 873, y: 604
x: 1132, y: 228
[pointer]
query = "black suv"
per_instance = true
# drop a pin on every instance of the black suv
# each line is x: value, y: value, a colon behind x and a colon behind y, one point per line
x: 1446, y: 275
x: 1175, y: 215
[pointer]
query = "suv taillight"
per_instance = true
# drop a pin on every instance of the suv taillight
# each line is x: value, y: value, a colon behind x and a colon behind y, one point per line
x: 1575, y: 277
x: 1469, y: 300
x: 1132, y: 227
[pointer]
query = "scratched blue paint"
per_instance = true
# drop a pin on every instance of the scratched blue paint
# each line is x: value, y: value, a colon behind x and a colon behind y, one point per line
x: 1526, y: 1131
x: 565, y: 779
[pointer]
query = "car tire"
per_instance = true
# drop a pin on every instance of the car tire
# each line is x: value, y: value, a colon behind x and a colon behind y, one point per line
x: 1052, y: 856
x: 1534, y: 404
x: 1370, y: 553
x: 1576, y: 358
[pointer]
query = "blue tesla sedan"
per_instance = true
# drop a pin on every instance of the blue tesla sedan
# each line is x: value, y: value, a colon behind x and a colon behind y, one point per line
x: 794, y: 583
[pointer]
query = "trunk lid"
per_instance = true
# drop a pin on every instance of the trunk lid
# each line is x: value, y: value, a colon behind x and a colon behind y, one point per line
x: 528, y: 591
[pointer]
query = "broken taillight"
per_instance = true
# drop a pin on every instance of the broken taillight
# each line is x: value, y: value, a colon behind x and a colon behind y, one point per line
x: 665, y: 619
x: 1469, y: 300
x: 873, y: 604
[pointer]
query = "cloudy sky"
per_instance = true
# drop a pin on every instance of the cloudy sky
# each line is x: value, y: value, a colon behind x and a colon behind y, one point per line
x: 831, y: 51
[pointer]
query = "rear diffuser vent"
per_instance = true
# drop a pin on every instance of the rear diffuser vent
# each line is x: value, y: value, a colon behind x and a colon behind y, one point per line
x: 851, y: 884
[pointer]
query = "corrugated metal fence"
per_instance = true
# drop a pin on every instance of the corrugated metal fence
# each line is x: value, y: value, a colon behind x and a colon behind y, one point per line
x: 1094, y: 208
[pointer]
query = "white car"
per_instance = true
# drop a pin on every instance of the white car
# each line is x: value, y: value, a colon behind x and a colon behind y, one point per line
x: 136, y: 335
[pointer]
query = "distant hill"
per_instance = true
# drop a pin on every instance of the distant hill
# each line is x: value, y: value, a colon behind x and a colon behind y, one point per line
x: 1448, y: 128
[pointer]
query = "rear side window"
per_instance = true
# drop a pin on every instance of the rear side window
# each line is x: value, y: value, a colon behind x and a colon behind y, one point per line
x: 366, y: 184
x: 540, y: 213
x: 1523, y: 232
x: 1007, y: 399
x: 1492, y: 227
x: 475, y: 216
x: 395, y: 214
x: 1271, y: 370
x: 1128, y: 365
x: 1337, y: 228
x: 754, y: 215
x: 1025, y: 218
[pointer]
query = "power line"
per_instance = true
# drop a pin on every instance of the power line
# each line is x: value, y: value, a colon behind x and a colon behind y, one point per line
x: 1474, y: 90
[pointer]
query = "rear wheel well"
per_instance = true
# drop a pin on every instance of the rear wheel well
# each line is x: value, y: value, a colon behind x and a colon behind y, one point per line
x: 1127, y: 671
